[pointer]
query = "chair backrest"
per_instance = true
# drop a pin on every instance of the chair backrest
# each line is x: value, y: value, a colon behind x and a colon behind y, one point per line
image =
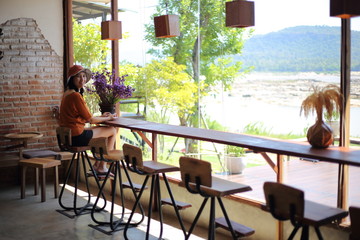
x: 284, y: 202
x: 63, y: 135
x: 133, y: 155
x: 98, y: 146
x: 355, y: 223
x: 195, y: 169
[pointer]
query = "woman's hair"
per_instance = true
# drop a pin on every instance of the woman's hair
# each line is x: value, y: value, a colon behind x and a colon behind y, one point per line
x: 71, y: 85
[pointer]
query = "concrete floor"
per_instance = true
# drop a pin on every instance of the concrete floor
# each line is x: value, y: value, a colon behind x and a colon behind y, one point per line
x: 29, y: 218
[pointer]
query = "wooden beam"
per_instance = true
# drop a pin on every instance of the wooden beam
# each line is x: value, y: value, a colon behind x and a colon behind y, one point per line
x: 68, y: 38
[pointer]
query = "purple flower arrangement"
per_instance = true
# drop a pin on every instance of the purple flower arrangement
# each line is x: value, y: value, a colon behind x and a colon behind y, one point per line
x: 109, y: 89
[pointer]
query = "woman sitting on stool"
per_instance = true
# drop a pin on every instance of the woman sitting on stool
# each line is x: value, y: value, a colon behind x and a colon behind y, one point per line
x: 74, y: 113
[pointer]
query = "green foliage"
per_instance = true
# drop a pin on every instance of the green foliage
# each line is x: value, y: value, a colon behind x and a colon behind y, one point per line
x: 234, y: 151
x: 299, y: 49
x: 168, y: 86
x: 259, y: 129
x: 89, y: 50
x: 215, y: 40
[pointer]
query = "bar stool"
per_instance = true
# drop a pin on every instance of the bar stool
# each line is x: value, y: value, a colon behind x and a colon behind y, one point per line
x: 196, y: 177
x: 288, y: 203
x: 100, y: 152
x: 135, y: 163
x: 64, y: 140
x: 355, y: 223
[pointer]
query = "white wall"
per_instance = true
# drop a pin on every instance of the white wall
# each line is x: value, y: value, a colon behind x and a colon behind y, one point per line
x: 47, y: 14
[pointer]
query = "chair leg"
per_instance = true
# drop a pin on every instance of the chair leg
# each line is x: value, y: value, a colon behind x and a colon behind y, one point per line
x: 293, y: 233
x: 23, y: 181
x: 142, y: 211
x: 158, y: 201
x: 318, y: 233
x: 56, y: 182
x: 197, y: 217
x: 305, y: 233
x: 137, y: 201
x: 150, y: 206
x: 174, y: 204
x: 227, y: 218
x: 36, y: 181
x: 43, y: 185
x: 211, y: 232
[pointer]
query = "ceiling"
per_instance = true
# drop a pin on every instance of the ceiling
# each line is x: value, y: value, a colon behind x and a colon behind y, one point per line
x: 83, y: 10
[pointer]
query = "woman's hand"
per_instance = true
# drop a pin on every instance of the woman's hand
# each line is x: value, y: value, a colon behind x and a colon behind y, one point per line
x: 109, y: 115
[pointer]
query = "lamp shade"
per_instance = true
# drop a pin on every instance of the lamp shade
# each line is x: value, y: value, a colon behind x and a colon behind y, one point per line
x: 167, y: 26
x: 240, y: 14
x: 344, y: 8
x: 111, y: 30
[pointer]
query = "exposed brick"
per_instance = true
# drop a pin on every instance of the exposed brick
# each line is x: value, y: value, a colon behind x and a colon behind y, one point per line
x: 31, y: 80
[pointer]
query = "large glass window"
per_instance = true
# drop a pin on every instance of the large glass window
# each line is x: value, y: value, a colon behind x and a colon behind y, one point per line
x: 249, y: 80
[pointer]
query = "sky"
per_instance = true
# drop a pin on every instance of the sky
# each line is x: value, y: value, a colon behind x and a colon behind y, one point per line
x: 275, y: 15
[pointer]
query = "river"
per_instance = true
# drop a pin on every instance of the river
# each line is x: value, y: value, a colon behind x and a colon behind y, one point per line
x: 248, y: 105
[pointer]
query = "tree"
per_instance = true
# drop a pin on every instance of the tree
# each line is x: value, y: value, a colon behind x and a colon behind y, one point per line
x: 167, y: 87
x: 203, y: 46
x: 89, y: 50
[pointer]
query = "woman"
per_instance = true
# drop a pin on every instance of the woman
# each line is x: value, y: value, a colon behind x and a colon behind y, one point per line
x: 74, y: 113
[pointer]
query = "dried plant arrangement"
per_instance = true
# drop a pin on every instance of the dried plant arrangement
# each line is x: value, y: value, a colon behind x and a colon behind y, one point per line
x: 328, y: 98
x: 322, y: 101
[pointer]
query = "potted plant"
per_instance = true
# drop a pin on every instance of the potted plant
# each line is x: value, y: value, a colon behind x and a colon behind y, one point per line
x: 109, y: 89
x: 235, y: 160
x: 322, y: 101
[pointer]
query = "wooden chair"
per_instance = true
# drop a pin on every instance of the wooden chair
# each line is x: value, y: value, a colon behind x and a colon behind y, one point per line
x: 134, y: 163
x: 288, y: 203
x: 64, y: 141
x: 196, y: 177
x: 100, y: 152
x: 355, y: 223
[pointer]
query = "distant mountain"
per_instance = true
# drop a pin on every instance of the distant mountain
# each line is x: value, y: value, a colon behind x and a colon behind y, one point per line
x: 299, y: 49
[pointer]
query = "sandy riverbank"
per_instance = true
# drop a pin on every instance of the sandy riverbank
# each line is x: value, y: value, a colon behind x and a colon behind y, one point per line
x: 289, y: 90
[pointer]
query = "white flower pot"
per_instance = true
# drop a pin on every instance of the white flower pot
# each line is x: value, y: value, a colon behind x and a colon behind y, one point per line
x: 235, y: 165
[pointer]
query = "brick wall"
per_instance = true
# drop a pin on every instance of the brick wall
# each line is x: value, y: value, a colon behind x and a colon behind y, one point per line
x: 31, y: 82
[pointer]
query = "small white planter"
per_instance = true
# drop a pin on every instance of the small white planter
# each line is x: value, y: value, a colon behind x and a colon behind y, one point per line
x: 235, y: 165
x: 335, y: 126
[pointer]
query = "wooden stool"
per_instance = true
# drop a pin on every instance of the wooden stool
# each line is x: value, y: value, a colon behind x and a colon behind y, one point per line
x: 288, y: 203
x: 196, y: 178
x: 39, y: 163
x: 134, y: 163
x: 101, y: 152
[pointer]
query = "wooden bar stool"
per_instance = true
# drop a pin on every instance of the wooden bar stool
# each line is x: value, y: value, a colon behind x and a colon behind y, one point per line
x: 39, y: 164
x: 64, y: 141
x: 288, y: 203
x: 100, y: 152
x: 196, y: 177
x: 134, y: 163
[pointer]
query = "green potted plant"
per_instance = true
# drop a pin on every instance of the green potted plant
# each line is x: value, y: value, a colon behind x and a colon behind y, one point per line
x: 324, y: 101
x: 235, y: 160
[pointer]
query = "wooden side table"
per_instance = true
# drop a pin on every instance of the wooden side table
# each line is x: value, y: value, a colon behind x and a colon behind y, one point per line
x: 23, y: 137
x: 42, y: 164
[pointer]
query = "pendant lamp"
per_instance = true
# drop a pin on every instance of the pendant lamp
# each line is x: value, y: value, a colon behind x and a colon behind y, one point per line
x: 240, y: 13
x: 111, y: 30
x: 344, y: 8
x: 167, y: 26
